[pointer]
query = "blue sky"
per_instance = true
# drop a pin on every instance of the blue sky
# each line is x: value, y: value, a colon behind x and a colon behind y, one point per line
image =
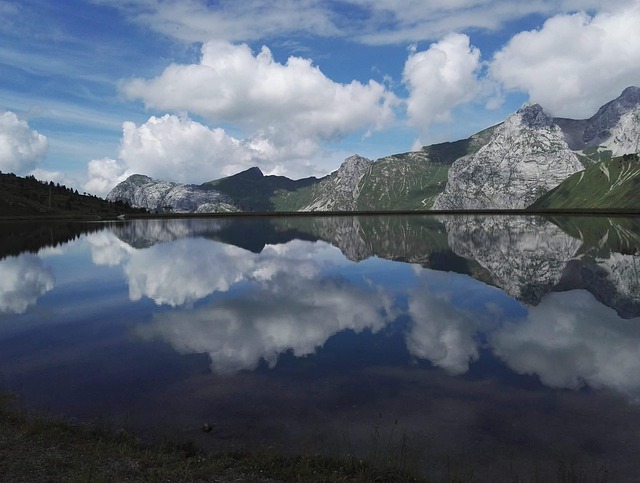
x: 92, y: 91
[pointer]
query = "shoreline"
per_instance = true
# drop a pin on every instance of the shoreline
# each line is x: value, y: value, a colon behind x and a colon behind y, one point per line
x: 616, y: 212
x: 35, y: 447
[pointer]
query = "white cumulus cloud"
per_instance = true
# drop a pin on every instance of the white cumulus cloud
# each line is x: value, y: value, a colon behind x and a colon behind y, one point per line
x: 176, y: 148
x: 21, y: 148
x: 575, y: 62
x: 180, y: 149
x: 286, y: 103
x: 282, y: 112
x: 440, y: 78
x: 103, y: 174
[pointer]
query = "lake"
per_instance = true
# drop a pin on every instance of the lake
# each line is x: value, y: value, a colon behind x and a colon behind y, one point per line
x: 484, y: 346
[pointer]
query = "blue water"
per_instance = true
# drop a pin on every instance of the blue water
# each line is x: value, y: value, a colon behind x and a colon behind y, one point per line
x: 280, y: 340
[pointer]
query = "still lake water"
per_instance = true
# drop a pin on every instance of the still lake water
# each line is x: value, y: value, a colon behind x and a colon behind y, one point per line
x: 497, y: 345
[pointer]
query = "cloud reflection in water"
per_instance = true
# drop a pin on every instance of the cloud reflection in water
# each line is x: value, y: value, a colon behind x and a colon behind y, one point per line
x: 570, y: 340
x: 286, y: 313
x: 295, y: 296
x: 23, y: 280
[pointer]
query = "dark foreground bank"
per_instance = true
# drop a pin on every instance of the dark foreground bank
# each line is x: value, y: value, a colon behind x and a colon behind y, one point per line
x: 34, y: 448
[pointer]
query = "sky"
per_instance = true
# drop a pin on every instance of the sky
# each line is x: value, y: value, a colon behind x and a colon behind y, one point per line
x: 92, y: 91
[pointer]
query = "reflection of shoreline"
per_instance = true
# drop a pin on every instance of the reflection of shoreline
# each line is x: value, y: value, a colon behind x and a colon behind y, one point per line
x: 527, y: 256
x: 288, y: 304
x: 531, y: 257
x: 17, y: 238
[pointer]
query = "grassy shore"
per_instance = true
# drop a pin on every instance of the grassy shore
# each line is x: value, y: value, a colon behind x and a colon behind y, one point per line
x: 35, y: 448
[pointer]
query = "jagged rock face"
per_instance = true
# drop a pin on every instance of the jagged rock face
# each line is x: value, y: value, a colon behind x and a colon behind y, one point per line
x: 507, y: 166
x: 625, y: 135
x: 610, y: 122
x: 526, y: 157
x: 525, y: 256
x: 162, y: 196
x: 340, y: 190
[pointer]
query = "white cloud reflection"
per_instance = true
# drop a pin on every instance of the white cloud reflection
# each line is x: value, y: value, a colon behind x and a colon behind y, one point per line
x: 570, y: 340
x: 295, y: 296
x: 441, y: 332
x: 186, y: 270
x: 23, y: 280
x: 107, y: 249
x: 288, y: 313
x: 290, y: 298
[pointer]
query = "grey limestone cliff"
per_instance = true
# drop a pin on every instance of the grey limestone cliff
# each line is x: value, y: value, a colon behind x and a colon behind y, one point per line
x: 162, y: 196
x: 526, y: 156
x: 608, y: 127
x: 339, y: 191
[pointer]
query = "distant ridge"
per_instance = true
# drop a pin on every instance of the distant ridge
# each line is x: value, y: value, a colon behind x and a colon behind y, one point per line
x: 507, y: 166
x: 251, y: 190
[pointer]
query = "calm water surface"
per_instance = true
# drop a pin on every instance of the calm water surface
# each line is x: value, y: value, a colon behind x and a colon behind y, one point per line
x: 491, y: 345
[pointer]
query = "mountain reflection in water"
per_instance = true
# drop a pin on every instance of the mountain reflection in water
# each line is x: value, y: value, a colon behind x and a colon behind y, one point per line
x: 494, y: 342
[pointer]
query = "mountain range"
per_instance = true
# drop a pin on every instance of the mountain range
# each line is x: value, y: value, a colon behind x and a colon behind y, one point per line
x: 531, y: 160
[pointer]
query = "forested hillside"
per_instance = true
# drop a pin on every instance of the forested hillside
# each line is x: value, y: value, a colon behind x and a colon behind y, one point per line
x: 30, y: 197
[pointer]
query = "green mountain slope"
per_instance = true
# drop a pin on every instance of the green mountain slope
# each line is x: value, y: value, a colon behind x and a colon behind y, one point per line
x: 407, y: 181
x: 253, y: 191
x: 411, y: 181
x: 602, y: 235
x: 294, y: 200
x: 609, y: 184
x: 402, y: 182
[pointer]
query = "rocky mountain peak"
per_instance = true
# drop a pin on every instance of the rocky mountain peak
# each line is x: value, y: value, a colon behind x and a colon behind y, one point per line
x: 598, y: 128
x: 606, y: 126
x: 533, y: 116
x: 506, y: 166
x: 252, y: 173
x: 355, y: 164
x: 631, y: 94
x: 526, y: 157
x: 340, y: 190
x: 138, y: 179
